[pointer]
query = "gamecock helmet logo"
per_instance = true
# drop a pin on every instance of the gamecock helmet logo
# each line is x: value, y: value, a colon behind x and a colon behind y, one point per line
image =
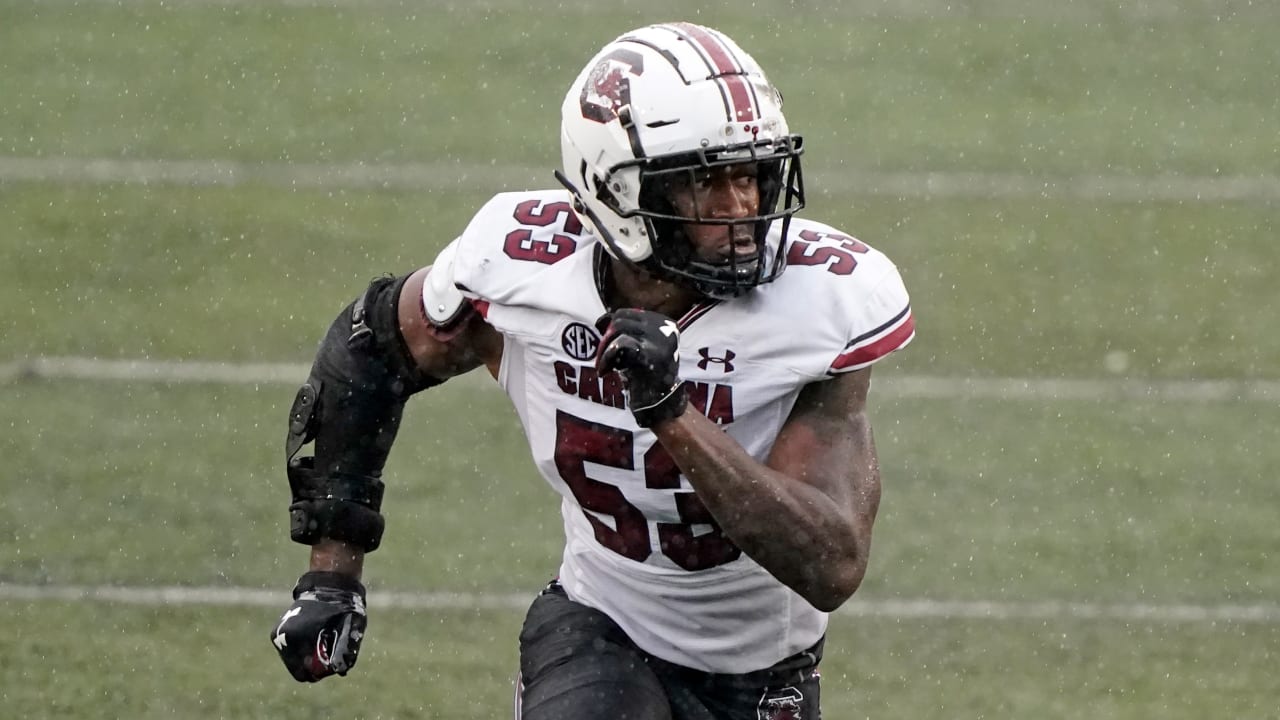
x: 609, y: 87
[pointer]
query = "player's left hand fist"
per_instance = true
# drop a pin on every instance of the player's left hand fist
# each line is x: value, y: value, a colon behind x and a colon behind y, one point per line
x: 644, y: 347
x: 319, y: 635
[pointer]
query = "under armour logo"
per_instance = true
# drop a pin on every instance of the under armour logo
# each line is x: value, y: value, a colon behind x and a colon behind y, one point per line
x: 279, y: 640
x: 708, y: 358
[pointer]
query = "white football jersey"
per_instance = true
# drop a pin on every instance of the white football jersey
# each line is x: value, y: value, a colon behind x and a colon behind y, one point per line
x: 639, y: 545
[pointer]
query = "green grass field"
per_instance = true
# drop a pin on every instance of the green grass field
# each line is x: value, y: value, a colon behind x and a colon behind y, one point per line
x: 1145, y: 526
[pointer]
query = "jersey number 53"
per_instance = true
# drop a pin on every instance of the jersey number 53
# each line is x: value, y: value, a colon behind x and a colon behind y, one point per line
x: 580, y: 441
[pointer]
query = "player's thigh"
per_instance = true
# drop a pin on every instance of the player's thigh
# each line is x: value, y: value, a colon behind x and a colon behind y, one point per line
x: 789, y: 690
x: 576, y: 664
x: 779, y: 702
x: 787, y: 698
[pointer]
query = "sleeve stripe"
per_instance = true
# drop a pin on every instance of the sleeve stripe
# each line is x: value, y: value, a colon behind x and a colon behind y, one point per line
x: 866, y: 354
x: 892, y: 321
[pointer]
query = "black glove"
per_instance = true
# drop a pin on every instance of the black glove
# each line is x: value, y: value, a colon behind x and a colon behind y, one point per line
x: 644, y: 347
x: 320, y: 634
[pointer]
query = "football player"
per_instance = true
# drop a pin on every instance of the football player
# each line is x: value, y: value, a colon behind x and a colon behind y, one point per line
x: 701, y: 412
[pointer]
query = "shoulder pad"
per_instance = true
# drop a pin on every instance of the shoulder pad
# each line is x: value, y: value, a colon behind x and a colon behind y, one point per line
x: 511, y: 244
x: 866, y: 308
x: 441, y: 300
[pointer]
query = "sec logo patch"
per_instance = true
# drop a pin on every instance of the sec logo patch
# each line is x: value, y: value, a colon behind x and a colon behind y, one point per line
x: 579, y: 341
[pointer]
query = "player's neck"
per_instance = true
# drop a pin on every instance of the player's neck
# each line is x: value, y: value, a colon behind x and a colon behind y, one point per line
x: 626, y: 286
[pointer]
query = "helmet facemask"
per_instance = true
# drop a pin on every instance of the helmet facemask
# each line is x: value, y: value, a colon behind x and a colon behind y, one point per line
x: 674, y: 257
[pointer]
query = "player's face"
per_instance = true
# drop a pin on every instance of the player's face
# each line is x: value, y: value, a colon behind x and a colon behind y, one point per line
x: 721, y: 193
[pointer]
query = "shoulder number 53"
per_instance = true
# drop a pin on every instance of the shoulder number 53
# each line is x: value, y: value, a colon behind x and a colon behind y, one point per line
x: 838, y: 259
x: 521, y: 244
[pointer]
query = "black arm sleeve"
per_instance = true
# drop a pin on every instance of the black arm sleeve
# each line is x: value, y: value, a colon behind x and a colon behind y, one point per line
x: 351, y: 405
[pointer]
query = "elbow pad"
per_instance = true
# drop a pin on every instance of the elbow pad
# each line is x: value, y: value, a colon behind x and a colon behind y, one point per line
x: 351, y: 406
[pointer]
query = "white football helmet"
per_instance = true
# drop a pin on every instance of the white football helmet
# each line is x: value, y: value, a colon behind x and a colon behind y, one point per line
x: 670, y: 99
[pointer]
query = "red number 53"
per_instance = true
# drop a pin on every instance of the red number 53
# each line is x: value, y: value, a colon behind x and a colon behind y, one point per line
x: 581, y: 441
x: 838, y: 260
x: 520, y: 243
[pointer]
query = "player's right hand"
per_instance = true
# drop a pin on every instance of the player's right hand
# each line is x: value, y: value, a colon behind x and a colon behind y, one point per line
x: 644, y: 347
x: 319, y: 635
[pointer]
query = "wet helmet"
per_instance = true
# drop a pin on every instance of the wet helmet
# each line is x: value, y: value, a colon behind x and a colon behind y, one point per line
x: 655, y: 108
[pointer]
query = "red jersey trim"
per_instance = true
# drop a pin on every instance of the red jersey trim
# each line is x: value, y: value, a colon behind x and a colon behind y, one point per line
x: 695, y: 312
x: 869, y: 348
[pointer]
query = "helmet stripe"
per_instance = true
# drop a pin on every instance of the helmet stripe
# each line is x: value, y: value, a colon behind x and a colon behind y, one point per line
x: 719, y: 57
x: 741, y: 94
x: 725, y: 68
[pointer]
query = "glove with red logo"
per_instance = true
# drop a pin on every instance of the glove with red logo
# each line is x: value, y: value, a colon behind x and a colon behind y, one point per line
x: 319, y: 635
x: 644, y: 347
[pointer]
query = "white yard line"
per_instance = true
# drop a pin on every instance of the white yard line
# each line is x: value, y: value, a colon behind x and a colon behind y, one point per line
x: 887, y: 9
x: 887, y: 608
x: 891, y: 385
x: 495, y: 177
x: 80, y: 368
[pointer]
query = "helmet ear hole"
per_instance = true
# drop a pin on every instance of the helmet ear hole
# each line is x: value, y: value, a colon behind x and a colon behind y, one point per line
x: 606, y: 196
